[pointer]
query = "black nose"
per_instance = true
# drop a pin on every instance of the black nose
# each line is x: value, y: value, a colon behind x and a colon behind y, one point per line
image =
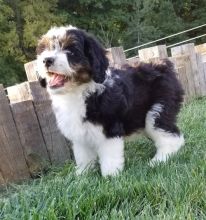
x: 48, y: 61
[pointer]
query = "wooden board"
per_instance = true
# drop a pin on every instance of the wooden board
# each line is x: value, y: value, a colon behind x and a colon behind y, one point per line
x: 204, y: 70
x: 133, y: 61
x: 203, y: 57
x: 116, y: 56
x: 159, y: 51
x: 57, y: 146
x: 201, y: 73
x: 183, y: 66
x: 2, y: 181
x: 182, y: 76
x: 200, y: 48
x: 189, y: 49
x: 19, y: 92
x: 31, y: 71
x: 12, y: 162
x: 31, y: 138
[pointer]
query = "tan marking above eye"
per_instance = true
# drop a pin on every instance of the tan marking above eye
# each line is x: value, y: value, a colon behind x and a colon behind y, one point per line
x: 67, y: 40
x: 42, y: 45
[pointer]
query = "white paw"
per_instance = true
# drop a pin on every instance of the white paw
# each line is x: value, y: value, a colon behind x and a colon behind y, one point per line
x: 111, y: 169
x: 160, y: 158
x: 84, y: 169
x: 157, y: 160
x: 80, y: 171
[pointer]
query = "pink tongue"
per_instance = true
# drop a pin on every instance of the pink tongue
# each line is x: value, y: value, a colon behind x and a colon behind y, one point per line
x: 56, y: 80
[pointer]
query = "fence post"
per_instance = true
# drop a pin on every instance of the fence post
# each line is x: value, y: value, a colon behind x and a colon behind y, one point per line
x: 193, y: 73
x: 182, y: 66
x: 58, y: 147
x: 153, y: 53
x: 133, y: 61
x: 31, y: 70
x: 116, y: 56
x: 28, y: 128
x: 12, y: 162
x: 200, y: 48
x: 201, y: 63
x: 201, y: 73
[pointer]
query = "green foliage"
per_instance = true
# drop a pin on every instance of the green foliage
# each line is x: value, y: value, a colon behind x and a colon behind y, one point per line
x: 21, y: 24
x: 114, y: 22
x: 106, y: 19
x: 147, y: 23
x: 11, y: 71
x: 175, y: 190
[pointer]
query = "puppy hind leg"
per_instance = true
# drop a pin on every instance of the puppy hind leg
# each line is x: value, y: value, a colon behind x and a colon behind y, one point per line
x: 168, y: 141
x: 167, y: 144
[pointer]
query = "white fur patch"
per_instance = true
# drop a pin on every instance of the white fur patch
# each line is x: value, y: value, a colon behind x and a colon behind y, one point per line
x: 59, y: 31
x: 165, y: 142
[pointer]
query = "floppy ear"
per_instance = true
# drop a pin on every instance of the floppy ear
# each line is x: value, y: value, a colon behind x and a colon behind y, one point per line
x: 96, y: 55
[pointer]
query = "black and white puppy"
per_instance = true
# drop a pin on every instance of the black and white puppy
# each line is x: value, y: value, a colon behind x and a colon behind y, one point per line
x: 96, y: 106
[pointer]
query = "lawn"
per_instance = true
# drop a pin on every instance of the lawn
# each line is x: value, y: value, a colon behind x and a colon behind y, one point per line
x: 175, y: 190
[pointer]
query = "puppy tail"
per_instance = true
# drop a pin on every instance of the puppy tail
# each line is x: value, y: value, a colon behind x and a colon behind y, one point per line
x: 152, y: 71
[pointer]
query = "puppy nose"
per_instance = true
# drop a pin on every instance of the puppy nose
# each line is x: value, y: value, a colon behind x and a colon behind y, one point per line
x: 48, y: 61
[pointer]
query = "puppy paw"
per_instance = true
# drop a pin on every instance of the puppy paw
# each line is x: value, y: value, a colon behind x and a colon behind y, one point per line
x: 111, y: 169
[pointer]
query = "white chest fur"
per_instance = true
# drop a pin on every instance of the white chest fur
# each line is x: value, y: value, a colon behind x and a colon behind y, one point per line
x: 89, y: 141
x: 70, y: 111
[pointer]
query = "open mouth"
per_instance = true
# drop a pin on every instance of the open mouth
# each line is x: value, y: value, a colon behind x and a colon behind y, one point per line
x: 57, y: 80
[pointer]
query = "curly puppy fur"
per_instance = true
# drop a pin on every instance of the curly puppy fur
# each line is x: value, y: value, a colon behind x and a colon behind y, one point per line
x: 97, y: 106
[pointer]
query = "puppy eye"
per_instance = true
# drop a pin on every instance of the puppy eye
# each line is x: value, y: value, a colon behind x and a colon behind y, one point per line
x: 69, y: 52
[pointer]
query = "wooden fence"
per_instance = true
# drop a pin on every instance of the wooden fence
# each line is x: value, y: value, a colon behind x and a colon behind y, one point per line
x: 29, y: 139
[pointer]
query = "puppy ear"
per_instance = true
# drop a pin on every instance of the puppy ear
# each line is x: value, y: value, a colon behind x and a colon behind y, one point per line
x: 97, y: 57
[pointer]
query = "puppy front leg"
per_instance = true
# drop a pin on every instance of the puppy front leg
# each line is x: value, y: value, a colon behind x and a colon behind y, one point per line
x: 85, y: 157
x: 111, y: 156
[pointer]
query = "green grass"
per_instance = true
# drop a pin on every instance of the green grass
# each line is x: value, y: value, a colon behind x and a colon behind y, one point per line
x: 175, y: 190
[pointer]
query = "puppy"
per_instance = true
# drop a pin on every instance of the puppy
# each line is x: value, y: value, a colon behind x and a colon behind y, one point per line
x: 97, y: 106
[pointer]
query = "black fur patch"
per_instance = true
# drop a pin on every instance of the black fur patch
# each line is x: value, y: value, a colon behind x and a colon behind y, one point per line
x: 42, y: 82
x: 130, y: 93
x: 86, y: 51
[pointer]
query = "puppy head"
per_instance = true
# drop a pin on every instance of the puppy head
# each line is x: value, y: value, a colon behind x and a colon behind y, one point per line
x: 68, y: 57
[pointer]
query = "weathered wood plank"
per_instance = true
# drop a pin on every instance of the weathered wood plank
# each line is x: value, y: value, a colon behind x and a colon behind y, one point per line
x: 133, y: 61
x: 189, y: 49
x: 31, y: 70
x: 2, y: 181
x: 12, y: 162
x: 203, y: 57
x: 182, y: 76
x: 116, y: 56
x: 201, y: 73
x: 159, y: 51
x: 19, y: 92
x: 200, y: 48
x: 57, y: 146
x: 27, y: 124
x: 183, y: 65
x: 204, y: 69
